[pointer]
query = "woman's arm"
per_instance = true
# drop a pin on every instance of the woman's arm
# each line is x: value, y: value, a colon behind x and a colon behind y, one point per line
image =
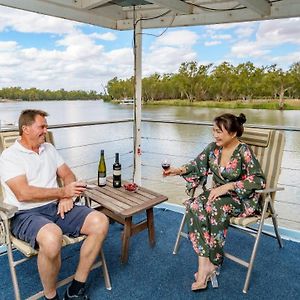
x: 173, y: 171
x: 197, y: 167
x: 252, y: 177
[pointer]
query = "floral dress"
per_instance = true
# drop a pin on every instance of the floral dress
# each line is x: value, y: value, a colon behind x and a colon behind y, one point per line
x: 208, y: 221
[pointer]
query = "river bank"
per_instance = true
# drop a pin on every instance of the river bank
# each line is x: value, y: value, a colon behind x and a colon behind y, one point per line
x: 289, y: 104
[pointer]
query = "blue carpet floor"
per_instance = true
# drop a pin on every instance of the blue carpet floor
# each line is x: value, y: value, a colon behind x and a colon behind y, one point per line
x: 155, y: 273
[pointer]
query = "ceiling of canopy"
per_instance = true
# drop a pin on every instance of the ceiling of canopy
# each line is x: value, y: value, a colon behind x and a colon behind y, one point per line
x: 120, y: 14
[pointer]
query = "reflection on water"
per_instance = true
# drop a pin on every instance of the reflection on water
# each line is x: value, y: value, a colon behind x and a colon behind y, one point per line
x: 81, y: 111
x: 179, y: 142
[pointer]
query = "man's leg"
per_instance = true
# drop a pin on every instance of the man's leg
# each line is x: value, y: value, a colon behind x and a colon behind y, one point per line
x: 95, y: 227
x: 49, y: 238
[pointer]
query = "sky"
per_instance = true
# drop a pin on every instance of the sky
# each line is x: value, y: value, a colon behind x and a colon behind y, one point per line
x: 51, y: 53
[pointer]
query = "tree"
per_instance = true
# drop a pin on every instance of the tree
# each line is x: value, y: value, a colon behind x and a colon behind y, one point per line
x: 223, y: 77
x: 187, y: 79
x: 294, y: 77
x: 278, y: 81
x: 203, y: 83
x: 247, y: 78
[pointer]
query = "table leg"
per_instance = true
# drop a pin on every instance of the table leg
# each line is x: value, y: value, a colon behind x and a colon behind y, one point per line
x: 125, y: 241
x: 150, y: 225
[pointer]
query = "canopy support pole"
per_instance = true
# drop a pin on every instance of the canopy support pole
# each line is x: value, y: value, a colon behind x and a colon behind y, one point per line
x: 137, y: 174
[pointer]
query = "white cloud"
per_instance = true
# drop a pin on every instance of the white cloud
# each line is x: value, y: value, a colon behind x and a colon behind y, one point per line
x: 287, y: 59
x: 79, y: 64
x: 245, y: 48
x: 270, y: 35
x: 166, y: 59
x: 7, y: 57
x: 244, y: 31
x: 23, y: 21
x: 108, y: 36
x: 223, y: 26
x: 76, y: 63
x: 221, y: 36
x: 168, y: 51
x: 280, y: 32
x: 179, y: 38
x: 237, y: 30
x: 212, y: 43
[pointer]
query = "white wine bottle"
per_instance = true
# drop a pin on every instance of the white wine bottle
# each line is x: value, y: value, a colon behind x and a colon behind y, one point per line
x: 102, y: 170
x: 117, y: 172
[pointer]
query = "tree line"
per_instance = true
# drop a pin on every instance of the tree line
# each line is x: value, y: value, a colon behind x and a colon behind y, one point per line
x: 197, y: 82
x: 34, y: 94
x: 192, y: 81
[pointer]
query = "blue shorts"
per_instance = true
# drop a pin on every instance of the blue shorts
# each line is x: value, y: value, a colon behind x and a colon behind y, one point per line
x: 26, y: 224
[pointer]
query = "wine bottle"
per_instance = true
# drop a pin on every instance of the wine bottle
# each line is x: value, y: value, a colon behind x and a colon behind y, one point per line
x: 102, y: 170
x: 117, y: 172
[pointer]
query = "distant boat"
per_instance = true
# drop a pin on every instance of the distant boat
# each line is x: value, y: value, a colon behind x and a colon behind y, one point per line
x: 127, y: 101
x: 7, y: 125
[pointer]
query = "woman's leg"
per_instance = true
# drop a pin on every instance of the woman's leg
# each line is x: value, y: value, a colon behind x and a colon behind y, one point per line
x: 220, y: 211
x: 198, y: 224
x: 207, y: 223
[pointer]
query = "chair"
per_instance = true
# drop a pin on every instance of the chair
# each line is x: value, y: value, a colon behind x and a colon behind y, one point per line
x: 268, y: 147
x: 6, y: 238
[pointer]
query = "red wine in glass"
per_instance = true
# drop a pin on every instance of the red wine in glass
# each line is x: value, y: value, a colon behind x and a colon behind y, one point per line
x: 165, y: 164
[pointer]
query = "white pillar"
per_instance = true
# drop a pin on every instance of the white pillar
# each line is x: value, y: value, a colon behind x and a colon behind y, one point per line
x: 137, y: 174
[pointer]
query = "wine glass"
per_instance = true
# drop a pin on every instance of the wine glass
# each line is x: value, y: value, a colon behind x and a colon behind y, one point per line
x: 166, y: 163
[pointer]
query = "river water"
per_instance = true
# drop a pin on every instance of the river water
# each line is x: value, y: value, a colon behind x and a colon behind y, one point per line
x: 80, y: 146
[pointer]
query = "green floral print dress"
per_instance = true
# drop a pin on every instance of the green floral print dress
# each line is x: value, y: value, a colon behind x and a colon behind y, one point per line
x: 208, y: 221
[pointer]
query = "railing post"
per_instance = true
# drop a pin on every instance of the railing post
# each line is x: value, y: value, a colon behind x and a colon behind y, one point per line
x: 137, y: 175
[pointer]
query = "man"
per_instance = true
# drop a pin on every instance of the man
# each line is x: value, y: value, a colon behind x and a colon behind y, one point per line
x: 29, y: 170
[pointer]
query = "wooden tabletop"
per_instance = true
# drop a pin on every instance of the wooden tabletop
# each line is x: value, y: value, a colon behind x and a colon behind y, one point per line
x: 123, y: 202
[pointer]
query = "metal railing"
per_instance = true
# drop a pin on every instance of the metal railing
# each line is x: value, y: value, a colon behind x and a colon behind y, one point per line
x: 81, y: 149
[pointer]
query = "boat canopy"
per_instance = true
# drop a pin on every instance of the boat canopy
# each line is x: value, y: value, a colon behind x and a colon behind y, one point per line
x: 120, y: 14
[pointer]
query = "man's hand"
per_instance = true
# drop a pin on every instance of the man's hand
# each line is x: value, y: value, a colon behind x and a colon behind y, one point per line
x: 219, y: 191
x: 73, y: 189
x: 64, y: 206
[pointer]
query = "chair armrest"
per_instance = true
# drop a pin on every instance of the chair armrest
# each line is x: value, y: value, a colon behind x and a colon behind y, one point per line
x: 8, y: 209
x: 270, y: 190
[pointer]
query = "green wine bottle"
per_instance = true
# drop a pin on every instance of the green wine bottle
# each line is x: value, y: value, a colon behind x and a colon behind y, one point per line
x: 102, y: 170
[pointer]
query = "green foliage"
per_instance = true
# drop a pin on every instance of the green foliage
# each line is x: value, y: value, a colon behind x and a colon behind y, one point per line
x: 195, y: 82
x: 33, y: 94
x: 234, y: 104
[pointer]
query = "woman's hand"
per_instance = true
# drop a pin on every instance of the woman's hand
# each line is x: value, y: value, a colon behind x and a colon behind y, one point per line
x: 219, y: 191
x: 174, y: 171
x: 64, y: 206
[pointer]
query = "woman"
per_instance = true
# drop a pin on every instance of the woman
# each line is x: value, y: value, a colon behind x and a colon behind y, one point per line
x: 236, y: 176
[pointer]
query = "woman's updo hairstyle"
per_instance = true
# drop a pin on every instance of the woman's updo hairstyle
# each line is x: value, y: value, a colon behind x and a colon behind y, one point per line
x: 231, y: 123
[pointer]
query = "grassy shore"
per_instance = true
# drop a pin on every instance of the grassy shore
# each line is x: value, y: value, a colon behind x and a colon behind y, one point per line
x: 289, y: 104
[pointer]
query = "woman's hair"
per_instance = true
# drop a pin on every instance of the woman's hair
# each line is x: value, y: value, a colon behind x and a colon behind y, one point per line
x: 231, y: 123
x: 27, y: 117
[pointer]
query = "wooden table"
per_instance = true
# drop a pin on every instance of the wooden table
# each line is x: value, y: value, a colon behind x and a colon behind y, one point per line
x: 121, y: 205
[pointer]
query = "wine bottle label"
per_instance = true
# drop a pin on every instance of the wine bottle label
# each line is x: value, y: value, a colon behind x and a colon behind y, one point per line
x: 102, y: 180
x: 117, y: 172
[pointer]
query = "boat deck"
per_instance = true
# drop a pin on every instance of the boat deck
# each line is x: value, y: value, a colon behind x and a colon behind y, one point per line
x: 155, y: 273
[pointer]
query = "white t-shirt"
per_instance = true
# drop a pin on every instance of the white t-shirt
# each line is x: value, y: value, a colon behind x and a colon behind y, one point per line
x: 40, y: 170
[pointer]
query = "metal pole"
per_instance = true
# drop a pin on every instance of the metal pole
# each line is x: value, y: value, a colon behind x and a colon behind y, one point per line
x: 137, y: 175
